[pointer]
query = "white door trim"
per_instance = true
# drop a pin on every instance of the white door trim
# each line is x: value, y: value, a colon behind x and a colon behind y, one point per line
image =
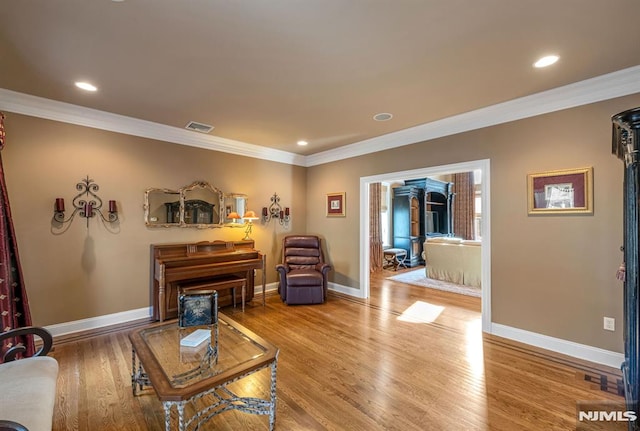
x: 484, y: 166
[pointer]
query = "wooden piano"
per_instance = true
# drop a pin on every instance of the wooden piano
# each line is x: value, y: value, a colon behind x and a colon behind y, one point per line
x: 177, y: 266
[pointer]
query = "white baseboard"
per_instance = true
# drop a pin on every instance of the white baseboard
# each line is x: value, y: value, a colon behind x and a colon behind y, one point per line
x: 99, y: 321
x: 331, y: 286
x: 270, y: 288
x: 351, y: 291
x: 570, y: 348
x: 576, y: 350
x: 67, y: 328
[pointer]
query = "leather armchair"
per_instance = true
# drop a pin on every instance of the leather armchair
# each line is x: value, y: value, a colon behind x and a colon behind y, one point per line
x: 303, y: 271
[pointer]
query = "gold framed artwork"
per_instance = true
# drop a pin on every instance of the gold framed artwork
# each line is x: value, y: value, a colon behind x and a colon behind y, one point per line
x: 336, y: 204
x: 567, y: 191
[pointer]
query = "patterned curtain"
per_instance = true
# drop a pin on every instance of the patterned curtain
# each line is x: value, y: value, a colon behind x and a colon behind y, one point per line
x: 14, y: 307
x: 463, y: 205
x: 375, y: 228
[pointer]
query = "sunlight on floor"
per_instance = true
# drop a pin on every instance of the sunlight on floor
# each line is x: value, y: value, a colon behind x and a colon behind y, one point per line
x: 385, y: 297
x: 475, y: 357
x: 421, y: 312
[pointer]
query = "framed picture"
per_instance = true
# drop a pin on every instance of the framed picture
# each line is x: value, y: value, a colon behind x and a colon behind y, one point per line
x: 568, y: 191
x: 336, y: 204
x: 197, y: 308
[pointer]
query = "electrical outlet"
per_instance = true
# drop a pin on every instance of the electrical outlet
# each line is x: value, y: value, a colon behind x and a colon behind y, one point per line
x: 609, y: 323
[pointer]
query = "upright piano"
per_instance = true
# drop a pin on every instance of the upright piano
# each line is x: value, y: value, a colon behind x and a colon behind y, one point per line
x: 179, y: 265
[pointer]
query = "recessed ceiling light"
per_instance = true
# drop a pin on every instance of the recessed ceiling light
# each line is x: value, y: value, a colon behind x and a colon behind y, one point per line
x: 383, y: 116
x: 86, y: 86
x: 546, y: 61
x: 302, y: 143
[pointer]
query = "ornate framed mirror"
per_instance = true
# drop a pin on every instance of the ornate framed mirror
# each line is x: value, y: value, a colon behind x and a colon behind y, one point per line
x: 196, y: 205
x: 156, y: 202
x: 202, y: 204
x: 234, y: 202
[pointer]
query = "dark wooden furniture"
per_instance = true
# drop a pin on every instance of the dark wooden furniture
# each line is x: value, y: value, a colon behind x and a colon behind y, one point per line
x: 225, y: 264
x: 438, y: 201
x: 421, y: 208
x: 220, y: 285
x: 408, y: 229
x: 626, y: 145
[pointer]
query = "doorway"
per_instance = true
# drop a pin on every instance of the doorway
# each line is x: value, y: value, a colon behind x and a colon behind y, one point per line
x: 485, y: 223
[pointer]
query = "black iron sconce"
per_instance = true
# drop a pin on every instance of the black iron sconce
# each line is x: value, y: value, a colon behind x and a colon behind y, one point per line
x: 86, y: 204
x: 275, y: 211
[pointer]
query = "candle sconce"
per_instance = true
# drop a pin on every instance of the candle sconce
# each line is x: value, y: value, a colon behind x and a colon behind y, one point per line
x: 86, y: 204
x: 275, y: 211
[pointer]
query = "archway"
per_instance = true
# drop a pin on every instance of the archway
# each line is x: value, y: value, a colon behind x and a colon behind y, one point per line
x: 484, y: 167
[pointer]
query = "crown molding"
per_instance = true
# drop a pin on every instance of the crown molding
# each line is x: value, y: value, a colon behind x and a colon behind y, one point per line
x: 40, y: 107
x: 604, y: 87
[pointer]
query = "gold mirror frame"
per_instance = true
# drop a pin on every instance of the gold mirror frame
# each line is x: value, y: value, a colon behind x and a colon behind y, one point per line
x: 155, y: 212
x: 235, y: 202
x: 197, y: 205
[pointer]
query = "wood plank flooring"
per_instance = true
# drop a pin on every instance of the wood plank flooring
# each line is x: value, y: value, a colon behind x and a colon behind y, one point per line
x: 409, y: 358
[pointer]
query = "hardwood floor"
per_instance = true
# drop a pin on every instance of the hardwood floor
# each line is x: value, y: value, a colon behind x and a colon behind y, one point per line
x: 409, y: 358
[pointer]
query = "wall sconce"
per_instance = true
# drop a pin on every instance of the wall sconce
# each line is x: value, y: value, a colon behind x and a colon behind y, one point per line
x: 86, y: 204
x: 250, y: 216
x: 275, y: 211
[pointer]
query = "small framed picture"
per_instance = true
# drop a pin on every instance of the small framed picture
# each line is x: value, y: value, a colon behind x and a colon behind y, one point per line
x: 336, y: 204
x: 197, y: 308
x: 568, y: 191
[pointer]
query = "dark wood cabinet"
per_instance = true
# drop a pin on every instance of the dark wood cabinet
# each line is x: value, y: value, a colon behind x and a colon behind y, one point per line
x: 408, y: 224
x: 437, y: 208
x: 421, y: 208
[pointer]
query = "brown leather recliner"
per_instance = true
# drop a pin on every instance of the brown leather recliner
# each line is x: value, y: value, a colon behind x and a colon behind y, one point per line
x: 303, y: 271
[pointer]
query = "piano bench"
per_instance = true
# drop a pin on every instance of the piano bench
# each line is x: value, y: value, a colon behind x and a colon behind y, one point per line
x: 218, y: 284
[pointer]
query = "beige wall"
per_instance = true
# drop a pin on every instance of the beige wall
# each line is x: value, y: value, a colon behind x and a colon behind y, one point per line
x: 84, y: 273
x: 552, y: 275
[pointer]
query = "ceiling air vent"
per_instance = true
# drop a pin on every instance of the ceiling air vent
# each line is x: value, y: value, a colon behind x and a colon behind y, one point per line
x: 198, y: 127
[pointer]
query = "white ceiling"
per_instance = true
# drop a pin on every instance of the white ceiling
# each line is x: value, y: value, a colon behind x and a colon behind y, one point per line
x: 270, y: 73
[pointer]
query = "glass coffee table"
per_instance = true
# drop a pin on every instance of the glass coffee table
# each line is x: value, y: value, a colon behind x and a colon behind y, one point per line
x: 195, y: 379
